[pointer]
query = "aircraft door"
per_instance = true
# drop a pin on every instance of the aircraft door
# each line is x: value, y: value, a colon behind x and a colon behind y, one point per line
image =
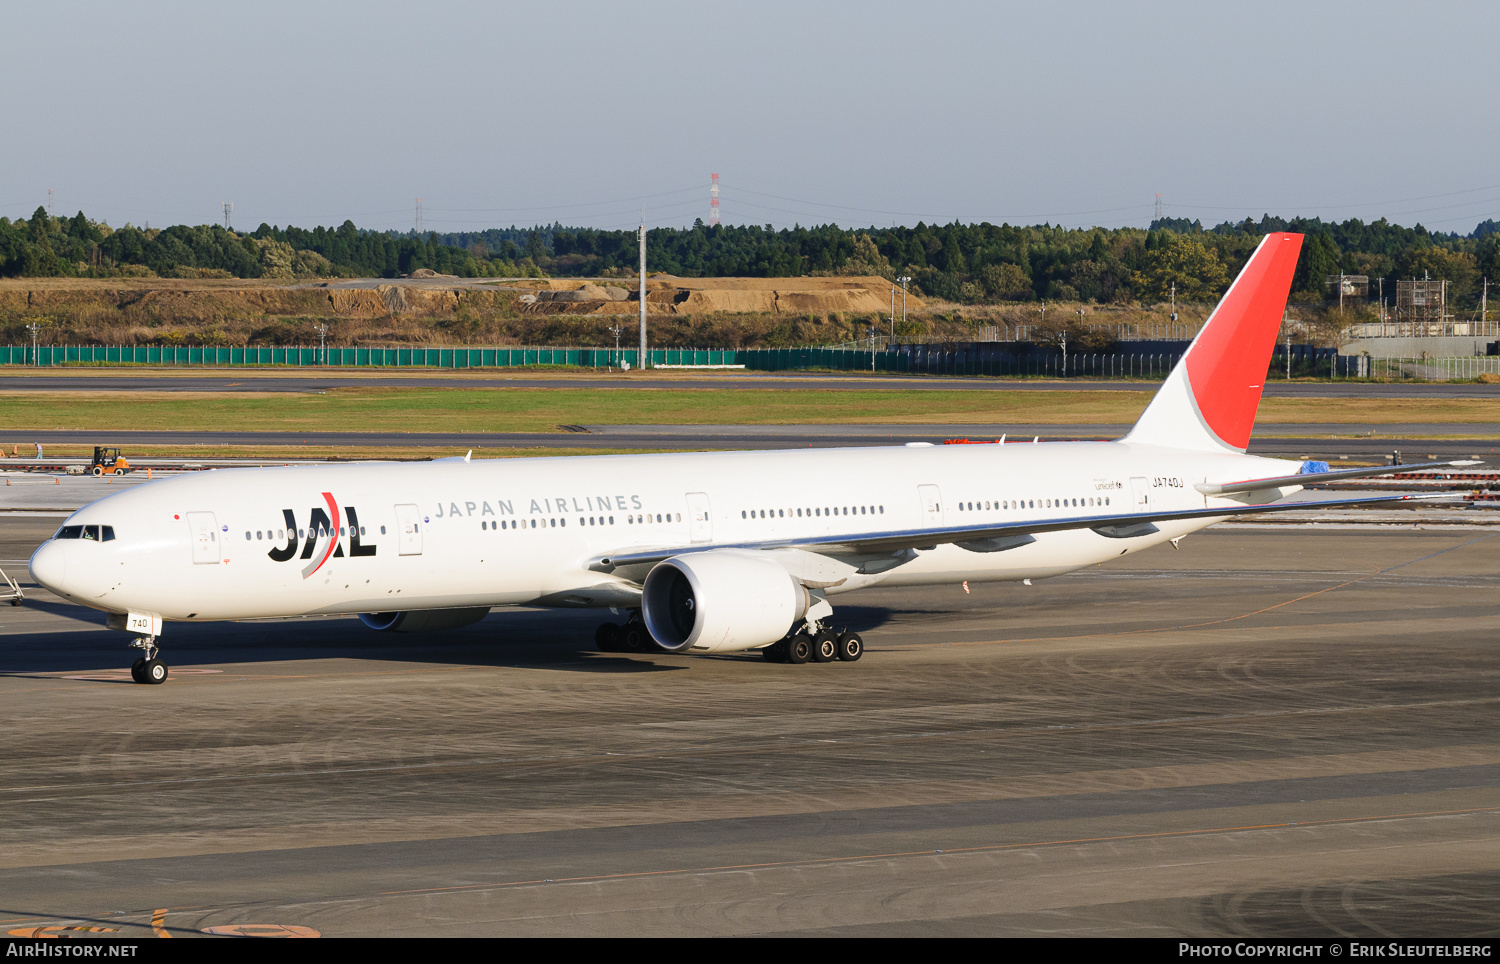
x: 932, y: 505
x: 700, y: 519
x: 205, y: 534
x: 409, y: 530
x: 1140, y: 493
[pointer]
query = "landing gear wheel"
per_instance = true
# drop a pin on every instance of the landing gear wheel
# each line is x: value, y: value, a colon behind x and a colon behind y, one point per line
x: 136, y: 669
x: 634, y: 638
x: 825, y: 647
x: 154, y: 671
x: 607, y: 637
x: 799, y: 649
x: 851, y: 647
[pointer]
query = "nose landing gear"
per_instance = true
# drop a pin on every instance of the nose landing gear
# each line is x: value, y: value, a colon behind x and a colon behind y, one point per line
x: 149, y: 668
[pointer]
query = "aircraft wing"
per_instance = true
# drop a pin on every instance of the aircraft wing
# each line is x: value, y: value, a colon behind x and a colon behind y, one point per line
x: 989, y: 537
x: 1311, y: 478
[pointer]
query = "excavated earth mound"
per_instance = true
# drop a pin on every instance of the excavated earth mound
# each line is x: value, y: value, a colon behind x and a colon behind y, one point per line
x: 692, y: 296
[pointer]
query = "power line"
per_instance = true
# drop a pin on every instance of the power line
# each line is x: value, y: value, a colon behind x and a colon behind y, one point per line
x: 919, y: 214
x: 562, y: 207
x: 635, y: 210
x: 1355, y: 204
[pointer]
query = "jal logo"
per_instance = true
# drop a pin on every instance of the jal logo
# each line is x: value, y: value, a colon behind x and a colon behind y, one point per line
x: 322, y: 541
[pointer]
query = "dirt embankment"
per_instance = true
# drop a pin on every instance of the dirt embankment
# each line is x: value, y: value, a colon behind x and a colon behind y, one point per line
x: 156, y: 311
x: 203, y: 303
x: 697, y: 296
x: 684, y: 312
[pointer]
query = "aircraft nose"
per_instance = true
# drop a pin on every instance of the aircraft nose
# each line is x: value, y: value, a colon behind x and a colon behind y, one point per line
x: 49, y: 566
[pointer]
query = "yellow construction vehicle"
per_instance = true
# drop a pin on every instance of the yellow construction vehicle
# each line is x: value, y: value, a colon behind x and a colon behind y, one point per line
x: 108, y: 461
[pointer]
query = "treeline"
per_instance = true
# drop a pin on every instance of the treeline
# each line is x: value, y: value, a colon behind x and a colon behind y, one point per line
x: 963, y: 263
x: 41, y: 246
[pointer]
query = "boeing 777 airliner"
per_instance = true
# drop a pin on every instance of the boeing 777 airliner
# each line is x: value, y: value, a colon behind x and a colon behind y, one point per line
x: 707, y: 552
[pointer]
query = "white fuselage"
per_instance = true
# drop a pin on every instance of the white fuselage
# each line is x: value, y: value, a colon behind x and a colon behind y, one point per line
x: 453, y: 534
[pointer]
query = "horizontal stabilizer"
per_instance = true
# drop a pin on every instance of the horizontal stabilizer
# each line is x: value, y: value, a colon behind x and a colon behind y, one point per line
x: 1311, y: 478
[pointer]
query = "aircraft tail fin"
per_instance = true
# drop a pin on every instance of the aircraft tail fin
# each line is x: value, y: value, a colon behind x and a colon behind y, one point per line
x: 1209, y: 400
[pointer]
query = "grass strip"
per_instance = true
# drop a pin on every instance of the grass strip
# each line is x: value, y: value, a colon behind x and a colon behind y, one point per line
x: 543, y: 409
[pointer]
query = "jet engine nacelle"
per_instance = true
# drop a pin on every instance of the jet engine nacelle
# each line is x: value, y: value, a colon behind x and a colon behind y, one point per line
x: 423, y: 620
x: 721, y: 601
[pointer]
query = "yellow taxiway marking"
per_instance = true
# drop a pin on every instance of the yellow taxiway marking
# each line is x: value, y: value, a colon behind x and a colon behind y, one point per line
x: 60, y: 930
x: 261, y: 930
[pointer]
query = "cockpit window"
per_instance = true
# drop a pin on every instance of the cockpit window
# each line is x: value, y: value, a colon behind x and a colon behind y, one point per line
x: 87, y: 533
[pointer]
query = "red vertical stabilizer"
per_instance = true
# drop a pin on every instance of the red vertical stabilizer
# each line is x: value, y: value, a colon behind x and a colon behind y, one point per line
x: 1209, y: 400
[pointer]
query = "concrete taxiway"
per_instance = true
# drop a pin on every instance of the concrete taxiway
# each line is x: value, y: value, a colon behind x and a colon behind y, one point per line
x: 1274, y: 731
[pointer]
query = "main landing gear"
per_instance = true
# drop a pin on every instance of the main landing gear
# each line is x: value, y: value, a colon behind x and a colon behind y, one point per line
x: 629, y: 638
x: 149, y: 668
x: 823, y: 646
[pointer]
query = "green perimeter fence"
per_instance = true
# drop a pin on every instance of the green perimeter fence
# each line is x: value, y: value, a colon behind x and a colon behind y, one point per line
x: 769, y: 359
x: 1319, y: 364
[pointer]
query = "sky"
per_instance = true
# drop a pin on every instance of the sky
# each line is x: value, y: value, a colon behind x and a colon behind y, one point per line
x: 872, y: 113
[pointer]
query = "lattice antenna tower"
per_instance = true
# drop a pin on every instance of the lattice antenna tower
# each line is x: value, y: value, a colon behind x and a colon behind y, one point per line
x: 713, y: 200
x: 1158, y: 207
x: 417, y: 221
x: 228, y: 209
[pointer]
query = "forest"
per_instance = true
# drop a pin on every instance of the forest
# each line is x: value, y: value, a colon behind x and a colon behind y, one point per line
x: 960, y: 263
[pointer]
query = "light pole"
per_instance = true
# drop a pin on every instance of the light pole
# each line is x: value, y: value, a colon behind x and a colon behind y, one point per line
x: 1065, y: 342
x: 616, y: 328
x: 36, y: 354
x: 322, y: 340
x: 645, y: 358
x: 905, y: 280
